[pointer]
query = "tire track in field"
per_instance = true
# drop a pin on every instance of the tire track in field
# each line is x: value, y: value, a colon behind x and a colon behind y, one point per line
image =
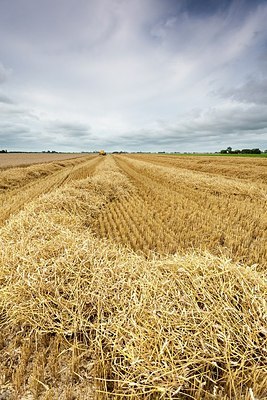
x: 14, y: 200
x: 167, y: 218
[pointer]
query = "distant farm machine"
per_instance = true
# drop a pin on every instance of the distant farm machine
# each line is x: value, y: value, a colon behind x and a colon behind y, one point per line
x: 102, y: 153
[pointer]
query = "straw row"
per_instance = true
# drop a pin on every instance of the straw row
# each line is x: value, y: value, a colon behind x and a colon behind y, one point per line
x: 176, y: 212
x: 83, y: 318
x: 25, y: 184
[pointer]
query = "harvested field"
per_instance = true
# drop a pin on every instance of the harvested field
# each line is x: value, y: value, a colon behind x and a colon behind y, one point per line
x: 134, y: 277
x: 175, y: 209
x: 251, y: 168
x: 8, y: 160
x: 18, y: 186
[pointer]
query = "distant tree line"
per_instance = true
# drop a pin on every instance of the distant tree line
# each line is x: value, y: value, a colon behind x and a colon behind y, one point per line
x: 229, y: 150
x: 3, y: 151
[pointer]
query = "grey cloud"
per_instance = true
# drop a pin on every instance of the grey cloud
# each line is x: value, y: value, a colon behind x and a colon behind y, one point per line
x: 233, y: 124
x: 101, y: 73
x: 4, y: 73
x: 17, y: 137
x: 230, y: 124
x: 253, y: 91
x: 75, y: 129
x: 5, y: 99
x: 232, y: 118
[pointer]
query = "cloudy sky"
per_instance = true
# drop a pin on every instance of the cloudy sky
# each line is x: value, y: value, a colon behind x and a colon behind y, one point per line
x: 151, y: 75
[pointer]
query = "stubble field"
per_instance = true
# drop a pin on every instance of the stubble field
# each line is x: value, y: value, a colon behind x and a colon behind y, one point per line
x: 134, y: 276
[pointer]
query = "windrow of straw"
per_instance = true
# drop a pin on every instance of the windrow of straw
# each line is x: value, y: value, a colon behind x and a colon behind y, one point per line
x: 14, y: 177
x: 22, y: 185
x: 244, y: 168
x: 83, y: 318
x: 175, y: 210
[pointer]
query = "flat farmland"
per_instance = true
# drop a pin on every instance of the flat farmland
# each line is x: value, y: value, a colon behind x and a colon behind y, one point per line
x: 8, y: 160
x: 20, y: 185
x: 134, y: 277
x: 204, y: 203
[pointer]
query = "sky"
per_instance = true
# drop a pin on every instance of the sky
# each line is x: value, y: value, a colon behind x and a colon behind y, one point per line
x: 133, y: 75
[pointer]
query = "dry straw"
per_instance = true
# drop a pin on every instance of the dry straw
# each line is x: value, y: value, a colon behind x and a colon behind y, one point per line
x: 174, y: 210
x: 18, y: 186
x: 87, y: 316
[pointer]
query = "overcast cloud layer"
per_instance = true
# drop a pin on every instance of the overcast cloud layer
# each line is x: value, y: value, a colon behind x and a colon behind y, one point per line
x: 150, y: 75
